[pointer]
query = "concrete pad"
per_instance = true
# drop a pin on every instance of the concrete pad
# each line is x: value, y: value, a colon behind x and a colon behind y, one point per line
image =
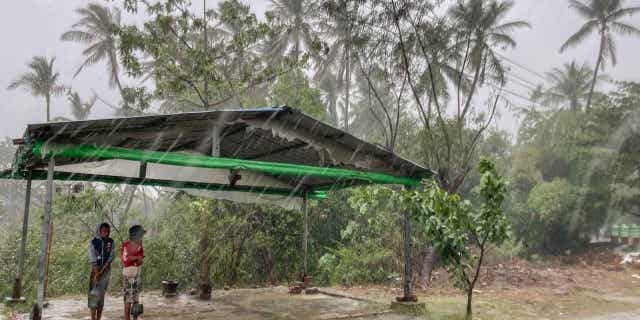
x: 245, y: 304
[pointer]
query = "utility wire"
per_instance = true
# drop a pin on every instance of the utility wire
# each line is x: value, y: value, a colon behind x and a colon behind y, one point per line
x: 520, y: 83
x: 519, y: 65
x: 520, y: 97
x: 514, y: 76
x: 508, y: 91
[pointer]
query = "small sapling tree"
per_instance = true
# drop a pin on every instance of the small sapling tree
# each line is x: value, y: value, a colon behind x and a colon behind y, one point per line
x: 455, y: 226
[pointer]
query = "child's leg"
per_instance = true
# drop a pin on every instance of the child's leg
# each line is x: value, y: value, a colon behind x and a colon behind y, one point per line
x: 127, y: 311
x: 99, y: 312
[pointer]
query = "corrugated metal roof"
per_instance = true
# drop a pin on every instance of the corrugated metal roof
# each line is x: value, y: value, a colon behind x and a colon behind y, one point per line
x: 279, y: 134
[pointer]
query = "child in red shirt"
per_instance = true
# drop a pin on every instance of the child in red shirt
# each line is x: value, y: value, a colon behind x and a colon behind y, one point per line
x: 132, y: 256
x: 132, y: 253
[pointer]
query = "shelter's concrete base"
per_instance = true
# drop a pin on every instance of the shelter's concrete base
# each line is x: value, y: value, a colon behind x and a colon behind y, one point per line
x: 412, y: 308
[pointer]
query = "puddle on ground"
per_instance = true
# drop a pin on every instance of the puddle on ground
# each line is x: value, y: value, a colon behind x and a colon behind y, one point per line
x: 241, y: 304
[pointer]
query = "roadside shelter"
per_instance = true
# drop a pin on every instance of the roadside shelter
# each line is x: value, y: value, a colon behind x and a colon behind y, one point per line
x: 268, y: 155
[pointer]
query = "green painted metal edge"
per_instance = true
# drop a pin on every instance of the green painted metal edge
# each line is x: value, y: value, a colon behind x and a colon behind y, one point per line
x: 67, y: 176
x: 43, y: 149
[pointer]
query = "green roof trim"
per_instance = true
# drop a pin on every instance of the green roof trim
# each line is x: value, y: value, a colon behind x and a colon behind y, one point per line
x: 76, y: 177
x: 46, y: 150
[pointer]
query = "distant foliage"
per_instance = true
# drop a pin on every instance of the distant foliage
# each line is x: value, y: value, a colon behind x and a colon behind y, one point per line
x: 369, y: 247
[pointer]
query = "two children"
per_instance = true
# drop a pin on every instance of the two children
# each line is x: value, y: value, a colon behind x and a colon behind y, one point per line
x: 101, y: 256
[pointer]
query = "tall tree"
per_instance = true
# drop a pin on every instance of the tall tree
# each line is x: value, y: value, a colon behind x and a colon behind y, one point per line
x: 569, y: 85
x: 203, y: 62
x: 235, y: 20
x: 603, y: 17
x: 410, y: 30
x: 295, y: 31
x: 41, y: 80
x: 381, y: 104
x: 97, y: 29
x: 483, y: 29
x: 339, y: 29
x: 188, y: 66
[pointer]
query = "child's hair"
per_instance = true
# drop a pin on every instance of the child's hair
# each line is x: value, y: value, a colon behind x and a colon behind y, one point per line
x: 136, y: 232
x: 104, y: 225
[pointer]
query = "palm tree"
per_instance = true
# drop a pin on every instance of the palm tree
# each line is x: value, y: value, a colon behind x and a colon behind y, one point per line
x: 603, y: 17
x: 80, y: 109
x: 569, y: 84
x: 481, y: 22
x: 41, y: 81
x: 339, y: 31
x: 239, y: 59
x: 294, y: 17
x: 96, y: 28
x: 331, y: 89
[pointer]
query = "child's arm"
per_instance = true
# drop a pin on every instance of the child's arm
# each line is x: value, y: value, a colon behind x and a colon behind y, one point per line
x: 141, y: 255
x: 124, y: 254
x: 93, y: 259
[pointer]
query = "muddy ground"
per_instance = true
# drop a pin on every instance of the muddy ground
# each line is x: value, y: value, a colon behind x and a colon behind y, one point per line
x: 593, y: 286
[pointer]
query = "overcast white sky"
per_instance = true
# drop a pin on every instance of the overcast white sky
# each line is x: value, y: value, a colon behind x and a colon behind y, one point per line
x: 33, y: 27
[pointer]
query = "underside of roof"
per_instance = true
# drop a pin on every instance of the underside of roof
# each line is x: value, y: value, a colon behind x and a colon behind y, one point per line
x: 259, y: 149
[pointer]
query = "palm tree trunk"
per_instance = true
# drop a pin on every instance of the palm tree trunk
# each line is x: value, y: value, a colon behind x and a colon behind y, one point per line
x: 348, y: 84
x: 206, y: 51
x: 595, y: 71
x: 574, y: 104
x: 296, y: 50
x: 48, y: 100
x: 119, y: 87
x: 472, y: 91
x: 113, y: 61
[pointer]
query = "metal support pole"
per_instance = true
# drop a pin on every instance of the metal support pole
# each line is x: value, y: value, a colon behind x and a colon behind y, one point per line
x: 17, y: 285
x: 205, y: 237
x: 44, y: 242
x: 142, y: 173
x: 408, y: 290
x: 305, y: 237
x: 46, y: 265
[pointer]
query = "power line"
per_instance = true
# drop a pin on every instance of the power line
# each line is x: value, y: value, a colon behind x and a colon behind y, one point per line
x: 522, y: 80
x: 520, y: 83
x: 508, y: 91
x: 519, y: 96
x: 522, y: 66
x: 514, y: 94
